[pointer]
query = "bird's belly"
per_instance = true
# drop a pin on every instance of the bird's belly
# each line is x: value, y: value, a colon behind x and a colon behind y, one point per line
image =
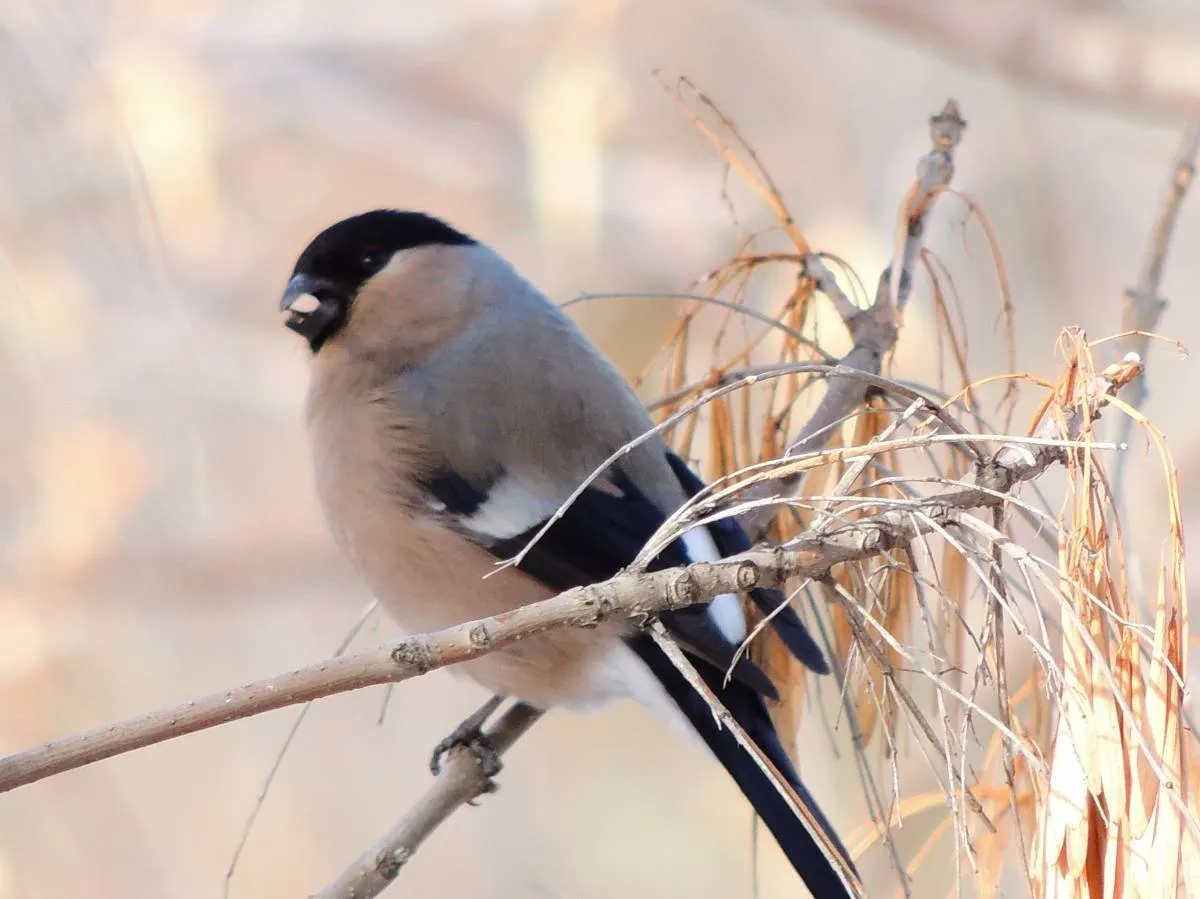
x: 428, y: 578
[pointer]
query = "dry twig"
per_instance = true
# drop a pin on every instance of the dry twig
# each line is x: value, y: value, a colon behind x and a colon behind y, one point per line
x: 876, y: 329
x: 462, y: 779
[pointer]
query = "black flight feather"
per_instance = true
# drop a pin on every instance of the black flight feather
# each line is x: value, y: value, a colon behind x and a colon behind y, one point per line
x: 732, y: 539
x: 750, y: 713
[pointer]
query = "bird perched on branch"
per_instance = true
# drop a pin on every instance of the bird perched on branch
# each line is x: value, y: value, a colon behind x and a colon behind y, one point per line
x: 452, y: 410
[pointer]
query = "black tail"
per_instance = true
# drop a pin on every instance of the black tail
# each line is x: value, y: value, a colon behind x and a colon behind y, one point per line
x: 747, y: 708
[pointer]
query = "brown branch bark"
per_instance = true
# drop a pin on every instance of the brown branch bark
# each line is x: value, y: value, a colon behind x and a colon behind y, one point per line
x: 876, y: 329
x: 1083, y: 54
x: 461, y: 780
x: 626, y: 595
x: 392, y: 663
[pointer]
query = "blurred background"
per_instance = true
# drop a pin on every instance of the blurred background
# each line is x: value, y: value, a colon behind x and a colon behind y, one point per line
x: 162, y: 164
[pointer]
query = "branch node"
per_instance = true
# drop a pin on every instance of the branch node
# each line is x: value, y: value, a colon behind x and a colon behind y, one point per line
x: 479, y: 636
x: 748, y: 575
x: 415, y: 655
x: 600, y: 604
x: 877, y: 539
x: 388, y: 864
x: 685, y: 590
x: 947, y: 127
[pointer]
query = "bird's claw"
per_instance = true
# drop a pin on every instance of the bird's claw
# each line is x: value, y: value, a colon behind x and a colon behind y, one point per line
x: 477, y: 744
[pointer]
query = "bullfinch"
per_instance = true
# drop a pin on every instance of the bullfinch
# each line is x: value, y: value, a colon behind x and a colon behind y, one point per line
x: 452, y: 409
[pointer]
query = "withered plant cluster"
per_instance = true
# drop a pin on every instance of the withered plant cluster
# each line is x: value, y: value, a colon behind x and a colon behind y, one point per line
x: 1046, y: 688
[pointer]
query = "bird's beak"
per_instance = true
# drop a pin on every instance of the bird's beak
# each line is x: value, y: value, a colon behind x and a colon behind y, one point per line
x: 313, y: 306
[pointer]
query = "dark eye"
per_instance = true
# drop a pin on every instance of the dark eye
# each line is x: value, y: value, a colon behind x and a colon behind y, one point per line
x: 372, y: 259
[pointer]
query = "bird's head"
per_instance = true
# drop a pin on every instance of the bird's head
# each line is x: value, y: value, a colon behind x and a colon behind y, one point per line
x: 346, y: 259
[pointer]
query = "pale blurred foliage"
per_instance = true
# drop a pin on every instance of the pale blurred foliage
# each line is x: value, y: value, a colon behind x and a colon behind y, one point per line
x: 162, y: 165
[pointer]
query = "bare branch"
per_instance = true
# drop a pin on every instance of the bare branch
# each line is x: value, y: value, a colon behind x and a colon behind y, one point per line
x: 403, y: 660
x: 824, y: 280
x: 461, y: 780
x: 874, y: 330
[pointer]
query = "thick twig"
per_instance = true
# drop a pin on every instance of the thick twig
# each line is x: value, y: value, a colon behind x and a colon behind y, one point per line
x: 1144, y: 305
x: 641, y: 595
x: 405, y: 659
x: 874, y: 330
x: 461, y: 780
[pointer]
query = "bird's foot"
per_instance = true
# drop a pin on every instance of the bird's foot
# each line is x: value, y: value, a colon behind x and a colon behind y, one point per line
x: 470, y: 736
x: 476, y: 743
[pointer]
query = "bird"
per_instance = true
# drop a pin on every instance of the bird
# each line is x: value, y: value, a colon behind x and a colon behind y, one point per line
x: 452, y: 409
